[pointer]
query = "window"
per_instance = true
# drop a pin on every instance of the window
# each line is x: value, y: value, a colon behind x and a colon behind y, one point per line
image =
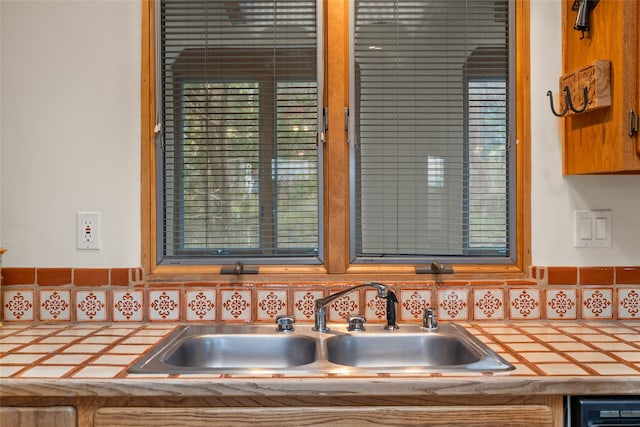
x: 428, y: 170
x: 239, y: 170
x: 431, y: 92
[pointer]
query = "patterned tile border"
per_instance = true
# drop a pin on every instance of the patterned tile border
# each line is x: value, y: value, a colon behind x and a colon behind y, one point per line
x: 200, y: 305
x: 628, y: 303
x: 561, y: 304
x: 303, y: 303
x: 236, y: 305
x: 52, y: 295
x: 453, y: 304
x: 91, y: 305
x: 55, y: 305
x: 597, y: 304
x: 488, y: 304
x: 270, y: 303
x: 524, y: 304
x: 164, y: 305
x: 127, y: 306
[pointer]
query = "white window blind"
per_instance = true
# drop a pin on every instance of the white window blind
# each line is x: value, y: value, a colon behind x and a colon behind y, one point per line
x: 239, y: 160
x: 431, y: 90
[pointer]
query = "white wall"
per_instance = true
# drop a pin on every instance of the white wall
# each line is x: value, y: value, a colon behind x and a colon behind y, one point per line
x: 70, y: 140
x: 70, y: 130
x: 1, y: 45
x: 554, y: 197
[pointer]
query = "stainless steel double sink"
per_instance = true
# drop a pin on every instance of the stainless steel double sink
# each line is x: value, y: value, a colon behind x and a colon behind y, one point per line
x: 260, y: 349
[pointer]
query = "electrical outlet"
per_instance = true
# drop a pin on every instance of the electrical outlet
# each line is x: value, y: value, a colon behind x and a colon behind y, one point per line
x: 88, y: 233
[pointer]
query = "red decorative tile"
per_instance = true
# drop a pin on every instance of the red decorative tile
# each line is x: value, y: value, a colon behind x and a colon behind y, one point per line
x: 119, y: 277
x: 413, y: 302
x: 91, y: 277
x: 53, y: 276
x: 18, y: 305
x: 628, y: 304
x: 304, y: 303
x: 626, y: 275
x: 128, y: 306
x: 537, y: 272
x: 452, y: 304
x: 18, y: 276
x: 200, y: 304
x: 597, y: 304
x: 55, y: 305
x: 488, y: 304
x: 91, y: 306
x: 164, y: 305
x: 524, y: 303
x: 562, y: 275
x: 270, y: 304
x: 596, y: 275
x: 235, y: 305
x: 561, y: 304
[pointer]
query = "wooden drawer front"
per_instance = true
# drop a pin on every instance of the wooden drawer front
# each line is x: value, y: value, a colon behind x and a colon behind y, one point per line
x: 53, y: 416
x: 485, y: 416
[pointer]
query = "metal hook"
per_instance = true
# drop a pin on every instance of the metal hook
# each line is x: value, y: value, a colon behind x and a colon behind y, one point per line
x: 566, y: 106
x: 585, y: 94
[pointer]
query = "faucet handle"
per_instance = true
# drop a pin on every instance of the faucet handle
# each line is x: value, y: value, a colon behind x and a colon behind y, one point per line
x: 356, y: 322
x: 429, y: 320
x: 285, y: 323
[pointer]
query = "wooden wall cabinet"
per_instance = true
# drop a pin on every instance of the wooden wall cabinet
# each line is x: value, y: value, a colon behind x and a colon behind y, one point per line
x: 599, y: 141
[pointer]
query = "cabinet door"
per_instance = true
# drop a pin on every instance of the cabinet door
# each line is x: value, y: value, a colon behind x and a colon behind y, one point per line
x: 470, y: 416
x: 55, y: 416
x: 598, y: 141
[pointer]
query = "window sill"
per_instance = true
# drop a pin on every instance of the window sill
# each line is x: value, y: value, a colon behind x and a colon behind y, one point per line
x: 355, y: 273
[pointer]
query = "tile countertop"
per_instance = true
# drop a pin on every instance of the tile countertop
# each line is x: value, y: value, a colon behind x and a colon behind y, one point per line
x: 92, y: 360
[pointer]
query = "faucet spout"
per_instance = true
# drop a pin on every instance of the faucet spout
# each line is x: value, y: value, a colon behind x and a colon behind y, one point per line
x: 322, y: 303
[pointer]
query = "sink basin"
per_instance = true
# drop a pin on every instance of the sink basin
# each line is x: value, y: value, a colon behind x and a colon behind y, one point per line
x: 228, y: 350
x: 399, y: 351
x: 449, y: 348
x: 259, y: 349
x: 242, y: 351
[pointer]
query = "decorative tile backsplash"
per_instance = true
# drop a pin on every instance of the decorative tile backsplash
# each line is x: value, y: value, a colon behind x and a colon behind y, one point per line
x: 488, y: 304
x: 121, y: 295
x: 524, y: 303
x: 562, y: 304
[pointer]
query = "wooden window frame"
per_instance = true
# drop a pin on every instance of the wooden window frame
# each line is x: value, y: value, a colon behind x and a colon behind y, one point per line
x: 336, y: 159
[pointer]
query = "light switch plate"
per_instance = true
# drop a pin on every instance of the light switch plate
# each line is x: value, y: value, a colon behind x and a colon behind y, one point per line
x: 592, y: 228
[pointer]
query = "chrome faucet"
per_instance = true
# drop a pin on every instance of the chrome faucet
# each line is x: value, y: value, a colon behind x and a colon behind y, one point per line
x: 322, y: 303
x: 429, y: 320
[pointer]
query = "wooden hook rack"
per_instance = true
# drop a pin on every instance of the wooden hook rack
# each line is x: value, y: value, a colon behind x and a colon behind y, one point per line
x: 584, y: 89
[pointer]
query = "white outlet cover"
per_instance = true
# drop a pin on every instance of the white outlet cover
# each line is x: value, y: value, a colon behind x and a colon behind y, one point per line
x: 88, y: 230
